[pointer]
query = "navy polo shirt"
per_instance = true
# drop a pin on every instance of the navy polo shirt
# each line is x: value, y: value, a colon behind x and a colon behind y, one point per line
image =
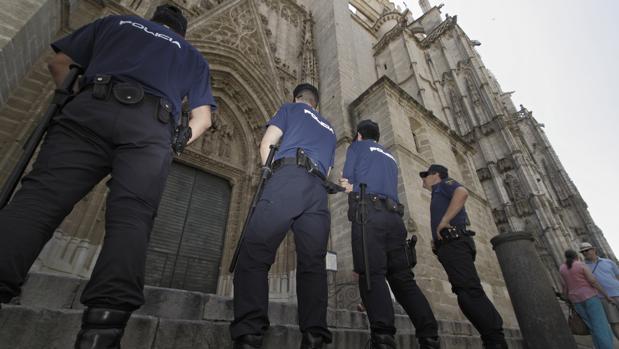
x: 442, y: 193
x: 305, y: 128
x: 131, y: 48
x: 370, y: 163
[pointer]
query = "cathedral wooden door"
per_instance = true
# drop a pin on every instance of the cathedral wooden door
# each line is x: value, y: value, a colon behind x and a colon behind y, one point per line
x: 187, y: 239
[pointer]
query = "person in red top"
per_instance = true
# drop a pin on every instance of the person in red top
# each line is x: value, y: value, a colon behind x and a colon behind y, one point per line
x: 581, y: 288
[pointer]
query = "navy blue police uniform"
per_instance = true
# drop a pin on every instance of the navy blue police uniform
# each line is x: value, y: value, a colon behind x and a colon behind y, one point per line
x: 292, y: 199
x: 127, y: 136
x: 369, y: 162
x: 456, y: 252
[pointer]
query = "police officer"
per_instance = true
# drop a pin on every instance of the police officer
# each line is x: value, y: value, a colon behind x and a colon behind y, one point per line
x: 120, y: 123
x: 293, y: 198
x: 455, y: 248
x: 369, y: 162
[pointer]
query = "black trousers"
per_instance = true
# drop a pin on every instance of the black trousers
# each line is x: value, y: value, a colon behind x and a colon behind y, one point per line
x: 458, y: 259
x: 291, y: 199
x: 386, y: 236
x: 90, y: 139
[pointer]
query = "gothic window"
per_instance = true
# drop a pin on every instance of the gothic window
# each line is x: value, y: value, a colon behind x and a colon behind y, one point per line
x: 420, y: 139
x: 465, y: 169
x: 479, y: 103
x: 459, y: 113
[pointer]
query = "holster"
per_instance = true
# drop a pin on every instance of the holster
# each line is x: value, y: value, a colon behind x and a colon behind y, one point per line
x: 451, y: 234
x: 375, y: 201
x: 411, y: 252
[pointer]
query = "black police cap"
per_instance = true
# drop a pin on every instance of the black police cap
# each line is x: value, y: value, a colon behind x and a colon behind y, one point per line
x: 305, y: 87
x: 171, y: 16
x: 368, y: 128
x: 434, y: 168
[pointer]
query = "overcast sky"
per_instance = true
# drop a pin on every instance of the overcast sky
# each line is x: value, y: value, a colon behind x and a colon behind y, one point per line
x: 561, y: 57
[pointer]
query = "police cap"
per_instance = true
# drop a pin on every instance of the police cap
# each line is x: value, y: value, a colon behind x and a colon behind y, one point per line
x: 171, y: 16
x: 368, y: 130
x: 434, y: 168
x: 305, y: 87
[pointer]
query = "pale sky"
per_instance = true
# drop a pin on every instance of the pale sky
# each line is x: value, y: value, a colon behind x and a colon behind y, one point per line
x: 561, y: 57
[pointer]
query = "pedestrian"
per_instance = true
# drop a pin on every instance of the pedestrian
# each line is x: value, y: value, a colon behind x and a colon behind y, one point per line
x: 368, y: 162
x: 605, y: 272
x: 453, y: 244
x: 120, y: 123
x: 294, y: 198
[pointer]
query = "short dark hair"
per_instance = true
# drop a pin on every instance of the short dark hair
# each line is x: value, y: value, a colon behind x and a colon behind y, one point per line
x: 368, y: 129
x: 307, y: 96
x: 171, y: 16
x: 302, y: 92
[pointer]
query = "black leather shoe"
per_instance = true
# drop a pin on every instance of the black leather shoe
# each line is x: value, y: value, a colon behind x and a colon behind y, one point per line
x: 312, y: 341
x: 102, y: 328
x: 429, y: 343
x: 248, y: 341
x: 383, y: 341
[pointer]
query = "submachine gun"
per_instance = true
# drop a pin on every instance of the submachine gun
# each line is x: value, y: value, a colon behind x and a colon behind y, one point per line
x: 362, y: 219
x: 62, y: 95
x: 265, y: 173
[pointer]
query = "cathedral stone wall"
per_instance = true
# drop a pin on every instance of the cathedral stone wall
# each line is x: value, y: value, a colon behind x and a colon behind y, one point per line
x: 417, y: 74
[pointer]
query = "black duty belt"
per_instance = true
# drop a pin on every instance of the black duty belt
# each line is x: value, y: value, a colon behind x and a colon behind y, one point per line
x: 279, y: 163
x: 129, y: 93
x: 451, y: 234
x: 377, y: 201
x: 301, y: 160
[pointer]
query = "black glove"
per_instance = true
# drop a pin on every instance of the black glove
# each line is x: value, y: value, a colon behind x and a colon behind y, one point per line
x: 182, y: 135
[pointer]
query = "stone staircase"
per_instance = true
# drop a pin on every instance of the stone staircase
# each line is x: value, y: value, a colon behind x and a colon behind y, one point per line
x: 49, y: 315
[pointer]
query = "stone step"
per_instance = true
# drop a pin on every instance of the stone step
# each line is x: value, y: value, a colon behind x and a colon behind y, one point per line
x: 49, y: 317
x: 24, y: 327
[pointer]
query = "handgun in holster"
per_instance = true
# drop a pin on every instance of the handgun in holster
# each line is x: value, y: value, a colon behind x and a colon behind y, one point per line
x: 411, y: 253
x: 182, y: 134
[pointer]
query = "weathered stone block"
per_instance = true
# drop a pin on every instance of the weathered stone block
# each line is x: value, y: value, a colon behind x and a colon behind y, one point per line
x: 50, y: 291
x: 174, y: 304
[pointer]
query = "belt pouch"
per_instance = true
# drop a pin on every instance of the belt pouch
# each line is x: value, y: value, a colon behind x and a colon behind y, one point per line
x: 101, y: 89
x: 128, y: 93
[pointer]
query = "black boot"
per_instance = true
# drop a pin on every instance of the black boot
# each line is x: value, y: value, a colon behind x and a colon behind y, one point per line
x: 248, y: 341
x: 102, y: 328
x: 383, y: 341
x: 429, y: 343
x: 312, y: 341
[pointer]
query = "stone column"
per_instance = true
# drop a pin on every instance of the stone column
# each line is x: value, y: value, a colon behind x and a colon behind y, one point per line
x: 539, y: 315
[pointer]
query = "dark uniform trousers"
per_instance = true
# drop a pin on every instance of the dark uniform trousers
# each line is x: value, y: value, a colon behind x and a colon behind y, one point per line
x: 291, y: 199
x: 90, y: 139
x: 386, y: 236
x: 458, y: 257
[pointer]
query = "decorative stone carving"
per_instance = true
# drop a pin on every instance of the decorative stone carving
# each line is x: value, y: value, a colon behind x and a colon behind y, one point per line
x: 514, y: 188
x: 484, y: 174
x: 499, y: 216
x: 447, y: 24
x: 288, y: 10
x: 487, y: 129
x: 237, y: 28
x: 505, y: 164
x: 459, y: 112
